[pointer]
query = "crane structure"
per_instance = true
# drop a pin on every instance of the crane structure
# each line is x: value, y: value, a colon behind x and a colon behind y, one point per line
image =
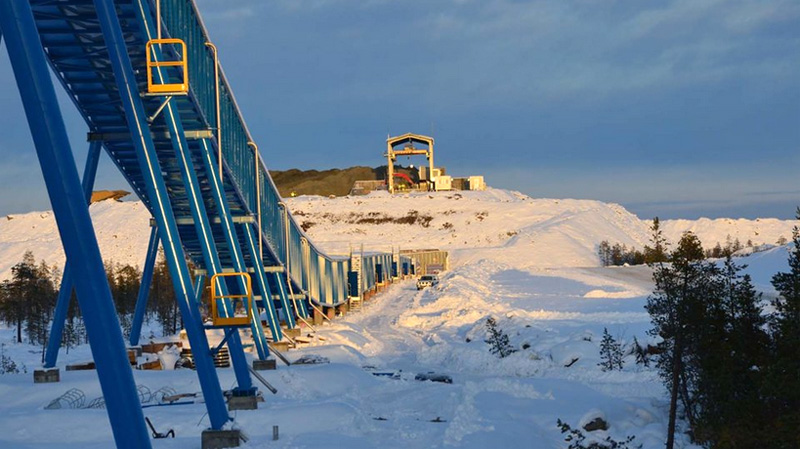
x: 394, y: 149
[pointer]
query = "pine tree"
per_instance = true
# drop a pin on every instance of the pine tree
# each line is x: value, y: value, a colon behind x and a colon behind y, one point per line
x: 658, y: 252
x: 500, y: 345
x: 604, y: 251
x: 782, y: 386
x: 640, y: 353
x: 681, y: 287
x: 610, y: 353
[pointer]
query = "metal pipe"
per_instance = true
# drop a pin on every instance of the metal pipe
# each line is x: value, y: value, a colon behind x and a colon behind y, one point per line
x: 282, y: 205
x: 49, y: 133
x: 158, y: 19
x: 258, y: 201
x: 216, y: 96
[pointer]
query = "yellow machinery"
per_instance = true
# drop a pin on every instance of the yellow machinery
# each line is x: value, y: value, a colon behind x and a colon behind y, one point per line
x: 408, y: 150
x: 165, y: 88
x: 239, y: 316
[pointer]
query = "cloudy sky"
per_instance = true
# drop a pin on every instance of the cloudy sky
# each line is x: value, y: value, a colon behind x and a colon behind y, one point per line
x: 681, y: 108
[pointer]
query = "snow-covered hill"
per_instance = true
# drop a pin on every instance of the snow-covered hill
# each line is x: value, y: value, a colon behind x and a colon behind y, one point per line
x: 509, y: 226
x: 530, y: 264
x: 122, y: 229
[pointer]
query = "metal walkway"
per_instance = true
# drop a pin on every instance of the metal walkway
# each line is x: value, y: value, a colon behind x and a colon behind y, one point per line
x: 192, y: 161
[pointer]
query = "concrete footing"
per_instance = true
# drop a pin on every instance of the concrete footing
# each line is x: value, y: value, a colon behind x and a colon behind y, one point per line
x: 265, y: 365
x: 280, y: 346
x: 292, y: 333
x: 242, y: 403
x: 220, y: 439
x: 46, y: 376
x: 317, y: 317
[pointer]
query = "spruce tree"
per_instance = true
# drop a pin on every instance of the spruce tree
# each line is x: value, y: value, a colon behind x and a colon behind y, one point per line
x: 678, y: 295
x: 610, y: 353
x: 498, y: 340
x: 782, y: 386
x: 640, y: 353
x: 658, y: 252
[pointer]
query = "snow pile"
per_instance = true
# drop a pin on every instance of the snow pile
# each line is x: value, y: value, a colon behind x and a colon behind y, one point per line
x: 513, y: 228
x: 516, y: 228
x: 721, y: 230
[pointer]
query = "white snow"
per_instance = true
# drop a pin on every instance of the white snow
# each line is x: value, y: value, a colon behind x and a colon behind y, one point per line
x: 529, y: 263
x: 122, y: 228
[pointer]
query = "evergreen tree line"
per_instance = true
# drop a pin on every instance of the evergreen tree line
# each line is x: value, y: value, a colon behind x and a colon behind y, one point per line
x: 28, y: 300
x: 732, y: 370
x: 618, y: 255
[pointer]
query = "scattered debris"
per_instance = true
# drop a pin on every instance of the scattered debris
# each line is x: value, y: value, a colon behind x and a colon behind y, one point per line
x: 311, y: 359
x: 434, y: 377
x: 572, y: 362
x: 389, y: 374
x: 158, y: 435
x: 73, y: 398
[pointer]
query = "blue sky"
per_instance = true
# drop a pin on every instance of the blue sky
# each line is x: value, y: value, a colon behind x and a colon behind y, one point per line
x: 671, y: 108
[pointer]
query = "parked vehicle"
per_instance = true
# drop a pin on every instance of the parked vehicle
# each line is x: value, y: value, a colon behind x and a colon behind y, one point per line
x: 427, y: 280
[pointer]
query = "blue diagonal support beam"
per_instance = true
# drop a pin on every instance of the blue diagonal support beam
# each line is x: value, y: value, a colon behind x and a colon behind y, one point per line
x: 162, y: 210
x: 144, y: 286
x: 261, y: 280
x: 199, y: 285
x: 66, y: 289
x: 197, y: 207
x: 74, y: 223
x: 232, y: 241
x: 283, y: 297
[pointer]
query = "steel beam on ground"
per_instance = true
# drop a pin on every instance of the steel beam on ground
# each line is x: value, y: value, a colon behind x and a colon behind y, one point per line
x: 74, y: 223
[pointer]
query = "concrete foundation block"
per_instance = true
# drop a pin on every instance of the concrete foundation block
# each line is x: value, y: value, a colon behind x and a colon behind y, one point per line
x: 292, y: 332
x: 220, y: 439
x: 265, y: 365
x: 46, y: 376
x: 242, y: 403
x: 280, y: 346
x: 317, y: 318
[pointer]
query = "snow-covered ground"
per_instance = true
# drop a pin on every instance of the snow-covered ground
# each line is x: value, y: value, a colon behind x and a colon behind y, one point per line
x: 529, y: 263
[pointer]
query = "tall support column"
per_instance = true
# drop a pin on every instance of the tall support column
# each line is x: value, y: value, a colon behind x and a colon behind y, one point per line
x: 144, y: 286
x: 289, y: 303
x: 261, y: 280
x: 201, y: 222
x: 232, y: 240
x: 67, y: 286
x: 162, y: 210
x: 74, y: 223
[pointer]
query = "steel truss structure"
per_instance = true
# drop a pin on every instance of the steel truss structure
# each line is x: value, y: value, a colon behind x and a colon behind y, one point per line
x: 190, y: 158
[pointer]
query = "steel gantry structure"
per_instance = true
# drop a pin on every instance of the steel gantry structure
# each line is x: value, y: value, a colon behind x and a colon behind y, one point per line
x: 146, y: 79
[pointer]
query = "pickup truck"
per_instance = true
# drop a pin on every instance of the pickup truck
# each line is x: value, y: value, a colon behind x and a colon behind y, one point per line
x: 427, y: 280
